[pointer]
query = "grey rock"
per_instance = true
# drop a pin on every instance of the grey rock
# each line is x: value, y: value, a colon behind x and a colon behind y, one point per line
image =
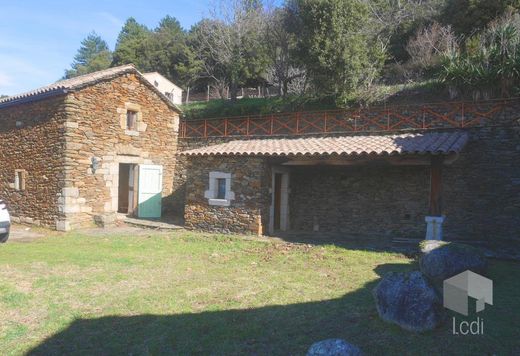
x: 333, y: 347
x: 410, y: 301
x: 441, y: 260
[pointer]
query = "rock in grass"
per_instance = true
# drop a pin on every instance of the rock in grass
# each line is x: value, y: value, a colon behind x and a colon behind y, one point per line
x: 410, y: 301
x: 441, y: 260
x: 333, y: 347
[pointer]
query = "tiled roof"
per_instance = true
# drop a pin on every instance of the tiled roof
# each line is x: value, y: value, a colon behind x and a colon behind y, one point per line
x: 63, y: 86
x: 423, y: 143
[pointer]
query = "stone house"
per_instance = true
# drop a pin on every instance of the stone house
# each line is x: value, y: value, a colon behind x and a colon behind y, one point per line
x: 448, y: 169
x: 86, y: 148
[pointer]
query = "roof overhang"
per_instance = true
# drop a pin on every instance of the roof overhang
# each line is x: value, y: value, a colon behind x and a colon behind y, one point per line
x: 448, y: 144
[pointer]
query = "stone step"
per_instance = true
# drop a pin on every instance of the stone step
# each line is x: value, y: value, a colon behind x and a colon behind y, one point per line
x: 151, y: 224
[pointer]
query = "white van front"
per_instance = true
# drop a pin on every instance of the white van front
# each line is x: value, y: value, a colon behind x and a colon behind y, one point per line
x: 5, y: 222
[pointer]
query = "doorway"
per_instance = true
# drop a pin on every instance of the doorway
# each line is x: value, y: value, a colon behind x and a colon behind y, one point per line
x: 279, y: 214
x: 127, y: 194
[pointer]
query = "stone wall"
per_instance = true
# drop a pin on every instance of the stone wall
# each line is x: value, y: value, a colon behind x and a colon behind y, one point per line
x: 178, y: 197
x: 357, y: 200
x: 250, y: 178
x: 96, y: 129
x: 482, y: 188
x: 31, y: 140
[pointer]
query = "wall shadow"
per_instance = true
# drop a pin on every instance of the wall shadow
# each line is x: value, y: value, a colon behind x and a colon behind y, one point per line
x: 283, y: 329
x: 409, y: 247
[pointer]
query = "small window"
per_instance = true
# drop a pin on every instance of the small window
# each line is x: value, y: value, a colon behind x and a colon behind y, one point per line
x: 131, y: 120
x: 19, y: 179
x: 219, y: 192
x: 221, y: 188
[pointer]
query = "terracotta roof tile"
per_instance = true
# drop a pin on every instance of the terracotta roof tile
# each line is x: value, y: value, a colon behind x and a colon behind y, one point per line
x: 424, y: 143
x: 78, y: 82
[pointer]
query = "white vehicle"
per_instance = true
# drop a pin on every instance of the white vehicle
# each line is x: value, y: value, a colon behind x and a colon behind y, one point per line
x: 5, y: 222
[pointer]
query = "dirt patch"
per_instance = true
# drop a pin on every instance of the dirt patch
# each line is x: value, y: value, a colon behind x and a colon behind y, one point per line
x: 23, y: 233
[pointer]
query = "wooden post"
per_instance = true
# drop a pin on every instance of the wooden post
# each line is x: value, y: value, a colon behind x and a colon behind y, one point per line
x: 436, y: 185
x: 207, y: 96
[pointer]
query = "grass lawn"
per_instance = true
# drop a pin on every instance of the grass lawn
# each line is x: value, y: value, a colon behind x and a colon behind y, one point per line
x: 190, y: 293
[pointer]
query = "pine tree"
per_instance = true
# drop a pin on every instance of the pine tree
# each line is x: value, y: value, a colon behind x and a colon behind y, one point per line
x: 132, y: 45
x: 93, y: 55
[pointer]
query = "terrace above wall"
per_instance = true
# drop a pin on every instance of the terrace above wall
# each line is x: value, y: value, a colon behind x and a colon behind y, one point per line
x: 447, y: 115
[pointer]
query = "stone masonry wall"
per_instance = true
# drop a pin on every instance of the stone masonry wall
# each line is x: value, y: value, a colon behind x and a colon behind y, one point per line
x: 31, y: 140
x: 359, y: 200
x: 96, y: 129
x: 250, y: 179
x: 482, y: 188
x: 178, y: 197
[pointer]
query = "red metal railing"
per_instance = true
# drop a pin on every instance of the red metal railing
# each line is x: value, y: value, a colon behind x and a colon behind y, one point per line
x: 425, y: 116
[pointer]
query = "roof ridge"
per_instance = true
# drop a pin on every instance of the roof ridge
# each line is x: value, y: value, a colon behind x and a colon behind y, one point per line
x: 70, y: 83
x: 99, y: 73
x: 79, y: 82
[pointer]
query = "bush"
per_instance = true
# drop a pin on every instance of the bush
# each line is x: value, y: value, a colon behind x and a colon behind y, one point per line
x: 489, y: 65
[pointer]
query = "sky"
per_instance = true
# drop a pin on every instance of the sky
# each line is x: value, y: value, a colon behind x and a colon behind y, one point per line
x: 39, y: 38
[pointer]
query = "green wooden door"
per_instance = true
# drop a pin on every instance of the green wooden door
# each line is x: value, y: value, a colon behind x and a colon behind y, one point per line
x: 150, y: 191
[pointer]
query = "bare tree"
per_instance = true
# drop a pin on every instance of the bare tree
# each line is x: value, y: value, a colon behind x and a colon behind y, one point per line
x: 429, y: 44
x: 389, y: 14
x: 230, y: 43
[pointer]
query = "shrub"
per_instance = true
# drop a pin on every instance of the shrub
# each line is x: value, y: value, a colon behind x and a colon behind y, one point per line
x: 489, y: 64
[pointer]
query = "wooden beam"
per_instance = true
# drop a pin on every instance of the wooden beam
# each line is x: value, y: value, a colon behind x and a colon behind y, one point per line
x: 436, y: 185
x: 412, y: 160
x: 389, y: 161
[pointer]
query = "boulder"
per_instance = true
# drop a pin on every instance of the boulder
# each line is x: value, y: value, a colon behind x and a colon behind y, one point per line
x: 410, y: 301
x: 333, y: 347
x: 441, y: 260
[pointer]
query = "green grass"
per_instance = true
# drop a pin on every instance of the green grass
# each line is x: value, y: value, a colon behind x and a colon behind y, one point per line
x: 253, y: 106
x: 191, y: 293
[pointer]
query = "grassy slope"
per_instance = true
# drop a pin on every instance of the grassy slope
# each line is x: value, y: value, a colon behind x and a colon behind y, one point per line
x: 415, y: 93
x: 188, y: 293
x: 251, y: 106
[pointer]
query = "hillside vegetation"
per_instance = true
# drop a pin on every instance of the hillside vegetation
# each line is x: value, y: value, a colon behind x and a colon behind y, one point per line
x: 399, y: 94
x: 325, y: 54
